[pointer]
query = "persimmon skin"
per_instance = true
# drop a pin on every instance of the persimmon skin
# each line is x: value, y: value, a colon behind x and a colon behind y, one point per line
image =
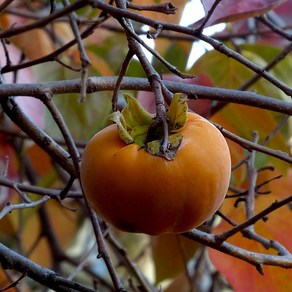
x: 138, y: 192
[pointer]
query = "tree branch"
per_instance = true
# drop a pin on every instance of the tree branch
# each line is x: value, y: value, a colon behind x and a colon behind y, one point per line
x: 240, y: 253
x: 96, y: 84
x: 12, y: 260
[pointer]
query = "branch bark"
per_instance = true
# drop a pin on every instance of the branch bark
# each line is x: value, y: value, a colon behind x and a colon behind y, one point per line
x: 96, y: 84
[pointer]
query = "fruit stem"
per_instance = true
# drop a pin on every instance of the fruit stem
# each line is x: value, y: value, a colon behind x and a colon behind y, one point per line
x: 165, y: 136
x: 161, y: 117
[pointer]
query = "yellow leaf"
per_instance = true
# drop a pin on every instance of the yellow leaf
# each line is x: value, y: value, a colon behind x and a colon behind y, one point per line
x: 171, y: 253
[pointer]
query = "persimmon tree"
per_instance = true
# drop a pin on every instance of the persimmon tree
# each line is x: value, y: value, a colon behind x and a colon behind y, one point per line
x: 65, y: 66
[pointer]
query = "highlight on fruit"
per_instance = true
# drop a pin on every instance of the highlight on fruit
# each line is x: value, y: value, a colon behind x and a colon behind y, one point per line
x: 136, y: 186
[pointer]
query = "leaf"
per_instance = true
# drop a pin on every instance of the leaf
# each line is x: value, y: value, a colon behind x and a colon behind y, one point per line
x: 171, y: 253
x: 281, y: 70
x: 9, y: 157
x: 7, y: 227
x: 82, y: 119
x: 283, y: 15
x: 278, y: 227
x: 230, y: 10
x: 40, y: 160
x: 180, y: 283
x: 201, y: 106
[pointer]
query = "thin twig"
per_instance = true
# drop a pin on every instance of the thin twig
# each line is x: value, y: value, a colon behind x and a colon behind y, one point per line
x: 168, y: 65
x: 122, y: 73
x: 252, y: 179
x: 116, y: 245
x: 252, y: 220
x: 52, y: 193
x: 254, y: 146
x: 253, y: 258
x: 72, y: 149
x: 10, y: 207
x: 103, y: 252
x: 278, y: 30
x: 83, y: 56
x: 13, y: 31
x: 208, y: 16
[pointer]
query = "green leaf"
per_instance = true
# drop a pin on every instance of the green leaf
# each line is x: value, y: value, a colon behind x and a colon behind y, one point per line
x: 82, y: 119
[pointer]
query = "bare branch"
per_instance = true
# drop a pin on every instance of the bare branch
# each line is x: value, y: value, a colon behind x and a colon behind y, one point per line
x: 12, y: 260
x: 240, y: 253
x: 96, y: 84
x: 83, y: 56
x: 9, y: 207
x: 166, y: 8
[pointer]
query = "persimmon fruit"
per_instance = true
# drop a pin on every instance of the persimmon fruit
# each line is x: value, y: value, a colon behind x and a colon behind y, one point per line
x: 136, y: 191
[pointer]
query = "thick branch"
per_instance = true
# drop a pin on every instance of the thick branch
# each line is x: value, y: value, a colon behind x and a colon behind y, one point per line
x: 96, y: 84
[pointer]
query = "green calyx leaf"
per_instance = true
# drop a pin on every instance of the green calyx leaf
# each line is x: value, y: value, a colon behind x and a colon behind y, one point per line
x: 133, y: 122
x: 174, y: 141
x: 119, y: 120
x: 177, y: 113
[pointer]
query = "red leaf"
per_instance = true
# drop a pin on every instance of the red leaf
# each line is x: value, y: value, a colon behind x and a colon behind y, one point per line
x: 230, y: 10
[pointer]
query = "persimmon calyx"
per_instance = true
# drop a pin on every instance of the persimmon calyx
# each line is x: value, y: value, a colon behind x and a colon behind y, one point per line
x: 134, y: 122
x: 177, y: 113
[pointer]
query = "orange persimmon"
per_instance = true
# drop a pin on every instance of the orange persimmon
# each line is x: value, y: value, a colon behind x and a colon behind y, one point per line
x: 136, y: 191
